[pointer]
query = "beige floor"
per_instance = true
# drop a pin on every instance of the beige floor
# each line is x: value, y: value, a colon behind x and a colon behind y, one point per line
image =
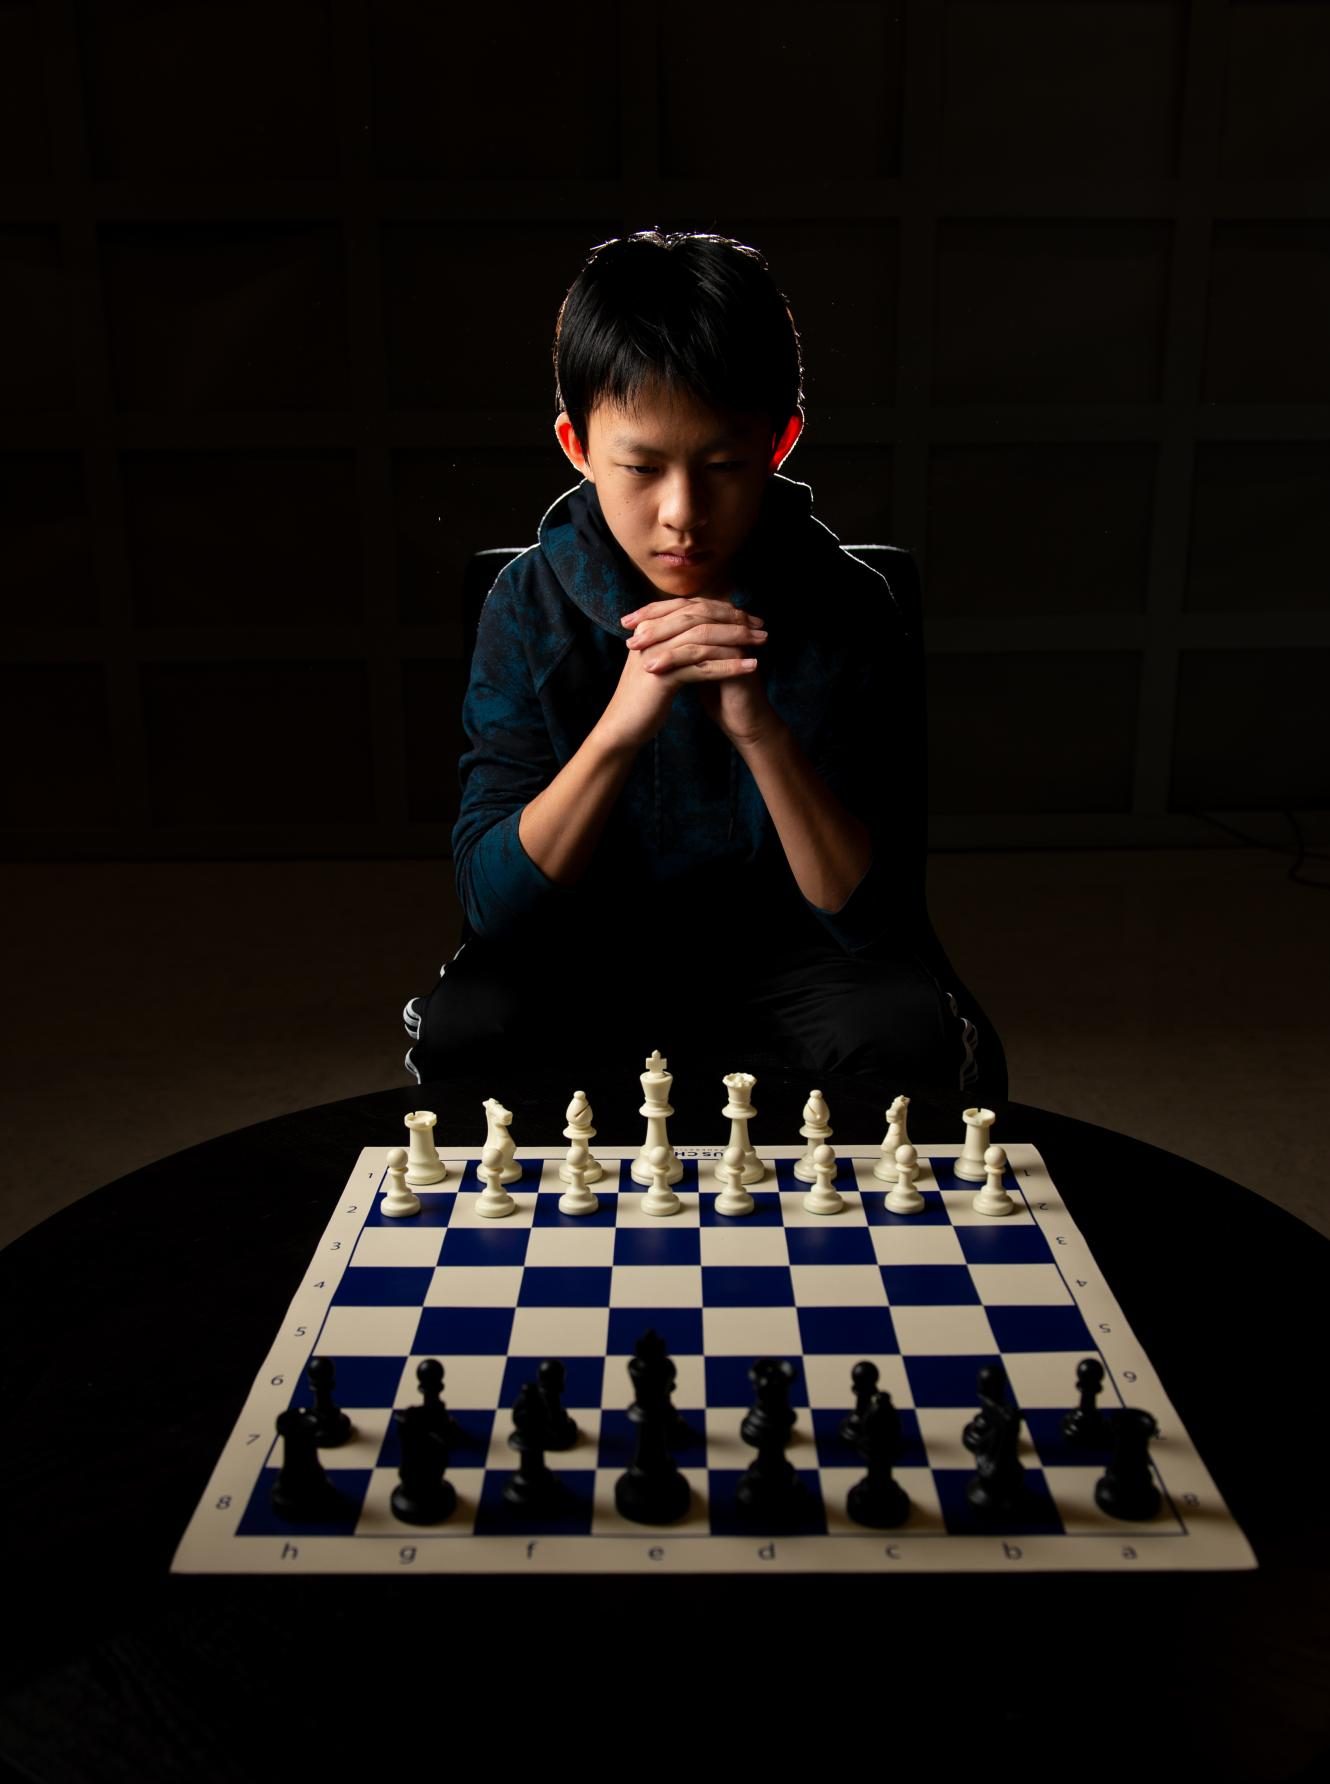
x: 1180, y: 996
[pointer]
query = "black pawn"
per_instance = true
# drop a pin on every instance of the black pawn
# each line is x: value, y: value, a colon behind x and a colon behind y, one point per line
x: 302, y: 1491
x: 878, y: 1500
x: 533, y: 1484
x: 435, y: 1414
x: 770, y: 1489
x: 560, y: 1426
x: 652, y: 1490
x: 864, y: 1380
x: 333, y: 1425
x: 422, y: 1495
x: 1084, y: 1425
x: 1127, y: 1488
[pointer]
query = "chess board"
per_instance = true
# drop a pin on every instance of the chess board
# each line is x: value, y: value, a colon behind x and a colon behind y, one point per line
x: 929, y: 1298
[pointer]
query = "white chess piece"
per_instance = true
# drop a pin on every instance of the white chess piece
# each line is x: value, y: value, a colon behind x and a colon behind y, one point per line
x: 493, y: 1202
x: 816, y: 1129
x: 578, y: 1117
x: 896, y: 1137
x: 498, y: 1135
x: 660, y: 1198
x: 733, y: 1198
x: 903, y: 1197
x: 993, y: 1198
x: 656, y: 1081
x: 740, y: 1111
x: 398, y: 1200
x: 825, y: 1198
x: 577, y: 1198
x: 423, y: 1162
x: 970, y: 1164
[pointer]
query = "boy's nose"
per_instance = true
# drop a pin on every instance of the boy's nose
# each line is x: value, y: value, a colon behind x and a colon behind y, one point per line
x: 682, y: 506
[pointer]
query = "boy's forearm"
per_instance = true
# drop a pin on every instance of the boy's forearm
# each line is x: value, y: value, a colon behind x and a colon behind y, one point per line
x: 560, y: 827
x: 829, y: 850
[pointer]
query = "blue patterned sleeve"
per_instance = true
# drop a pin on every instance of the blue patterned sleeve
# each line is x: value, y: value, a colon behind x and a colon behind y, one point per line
x: 510, y: 759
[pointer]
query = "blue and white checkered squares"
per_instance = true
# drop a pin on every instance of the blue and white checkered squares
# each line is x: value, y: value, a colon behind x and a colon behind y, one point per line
x: 928, y: 1299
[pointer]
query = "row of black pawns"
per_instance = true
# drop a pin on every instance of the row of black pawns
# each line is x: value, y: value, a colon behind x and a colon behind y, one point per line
x: 653, y: 1490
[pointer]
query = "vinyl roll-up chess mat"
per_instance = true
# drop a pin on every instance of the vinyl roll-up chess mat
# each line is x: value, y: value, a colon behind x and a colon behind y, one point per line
x: 930, y: 1299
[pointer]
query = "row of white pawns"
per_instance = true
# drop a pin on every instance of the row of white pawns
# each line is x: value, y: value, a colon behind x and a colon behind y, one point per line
x: 657, y: 1165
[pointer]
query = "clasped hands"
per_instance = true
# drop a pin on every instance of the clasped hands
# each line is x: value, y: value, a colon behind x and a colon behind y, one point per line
x: 709, y: 643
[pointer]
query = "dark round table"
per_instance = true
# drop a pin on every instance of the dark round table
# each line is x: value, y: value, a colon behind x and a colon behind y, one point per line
x: 134, y: 1322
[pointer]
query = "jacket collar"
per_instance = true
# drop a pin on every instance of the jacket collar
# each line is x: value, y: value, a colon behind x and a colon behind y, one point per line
x: 597, y: 577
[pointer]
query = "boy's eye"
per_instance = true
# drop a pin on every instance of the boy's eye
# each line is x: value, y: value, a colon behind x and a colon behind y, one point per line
x: 727, y: 464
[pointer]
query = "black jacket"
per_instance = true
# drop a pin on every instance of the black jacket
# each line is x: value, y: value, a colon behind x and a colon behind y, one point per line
x: 690, y: 827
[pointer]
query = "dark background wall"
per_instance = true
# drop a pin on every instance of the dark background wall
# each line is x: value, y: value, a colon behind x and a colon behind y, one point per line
x: 277, y: 288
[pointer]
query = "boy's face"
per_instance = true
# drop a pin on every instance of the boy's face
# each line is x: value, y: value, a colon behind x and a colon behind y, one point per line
x: 675, y: 477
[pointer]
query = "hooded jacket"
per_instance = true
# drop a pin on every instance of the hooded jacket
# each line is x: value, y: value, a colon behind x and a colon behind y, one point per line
x: 690, y: 833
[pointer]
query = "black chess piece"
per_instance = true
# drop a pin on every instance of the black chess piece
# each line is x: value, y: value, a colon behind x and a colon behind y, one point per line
x: 652, y: 1490
x: 331, y: 1422
x: 422, y: 1495
x: 769, y: 1489
x: 1127, y: 1488
x: 998, y: 1484
x: 651, y: 1348
x: 429, y: 1379
x: 1085, y: 1425
x: 993, y: 1437
x: 302, y: 1492
x: 533, y: 1484
x: 863, y: 1379
x: 560, y: 1426
x: 879, y: 1500
x: 991, y: 1388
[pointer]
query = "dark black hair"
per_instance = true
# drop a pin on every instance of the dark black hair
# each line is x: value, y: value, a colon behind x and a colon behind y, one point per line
x: 680, y: 309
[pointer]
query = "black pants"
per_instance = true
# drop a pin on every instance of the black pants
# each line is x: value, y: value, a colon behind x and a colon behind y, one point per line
x: 797, y: 998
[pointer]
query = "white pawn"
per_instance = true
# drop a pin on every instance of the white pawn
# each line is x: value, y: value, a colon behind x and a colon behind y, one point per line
x: 493, y: 1202
x: 733, y: 1198
x: 423, y: 1162
x: 825, y: 1198
x: 578, y: 1117
x: 993, y: 1198
x: 970, y: 1164
x: 896, y: 1137
x: 577, y: 1198
x: 499, y: 1136
x: 816, y: 1129
x: 660, y: 1198
x: 398, y: 1200
x: 903, y: 1197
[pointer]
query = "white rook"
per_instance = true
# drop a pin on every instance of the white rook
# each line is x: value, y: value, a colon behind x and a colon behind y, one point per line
x: 423, y: 1164
x: 970, y: 1164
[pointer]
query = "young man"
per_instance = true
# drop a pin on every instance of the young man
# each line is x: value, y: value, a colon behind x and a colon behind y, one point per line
x: 679, y: 819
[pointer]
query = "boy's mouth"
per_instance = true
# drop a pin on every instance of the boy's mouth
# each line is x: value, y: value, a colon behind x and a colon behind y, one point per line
x: 681, y: 558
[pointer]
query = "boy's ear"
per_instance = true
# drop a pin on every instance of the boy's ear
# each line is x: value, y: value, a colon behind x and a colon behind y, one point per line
x: 572, y: 446
x: 783, y: 443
